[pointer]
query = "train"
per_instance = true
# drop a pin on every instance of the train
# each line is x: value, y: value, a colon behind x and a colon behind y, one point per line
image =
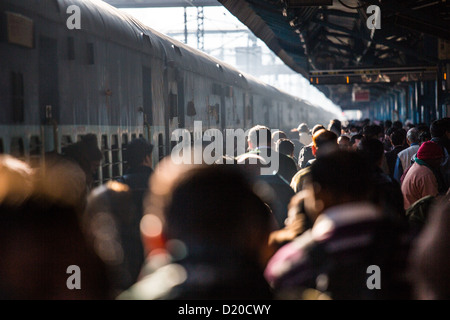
x: 115, y: 77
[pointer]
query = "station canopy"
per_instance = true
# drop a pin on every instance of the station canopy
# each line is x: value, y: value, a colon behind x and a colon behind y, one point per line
x: 343, y: 45
x: 372, y: 45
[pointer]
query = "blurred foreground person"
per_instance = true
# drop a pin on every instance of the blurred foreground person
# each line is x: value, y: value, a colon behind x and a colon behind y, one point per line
x: 430, y: 255
x: 62, y: 180
x: 112, y: 224
x: 206, y: 233
x: 349, y: 236
x: 276, y: 191
x: 16, y: 180
x: 423, y: 178
x: 87, y: 155
x: 44, y: 254
x: 137, y: 175
x: 43, y: 250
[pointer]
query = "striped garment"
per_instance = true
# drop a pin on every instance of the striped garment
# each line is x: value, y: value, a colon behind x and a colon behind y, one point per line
x: 343, y: 243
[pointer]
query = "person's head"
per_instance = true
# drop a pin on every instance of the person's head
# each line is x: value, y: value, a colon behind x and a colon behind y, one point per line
x: 62, y: 180
x: 316, y: 128
x: 324, y: 141
x: 87, y: 154
x: 259, y: 136
x: 412, y: 136
x: 446, y: 125
x: 211, y: 206
x: 45, y: 254
x: 370, y: 132
x: 16, y: 179
x: 337, y: 178
x: 438, y: 129
x: 355, y: 140
x: 108, y: 220
x: 372, y: 151
x: 429, y: 256
x: 397, y: 124
x: 277, y: 135
x: 344, y: 142
x: 335, y: 126
x: 398, y: 137
x: 113, y: 198
x: 285, y: 146
x: 431, y: 153
x: 92, y: 151
x: 387, y: 124
x: 139, y: 153
x: 303, y: 128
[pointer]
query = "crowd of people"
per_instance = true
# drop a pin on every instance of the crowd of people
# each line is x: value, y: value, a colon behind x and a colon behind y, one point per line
x: 353, y: 211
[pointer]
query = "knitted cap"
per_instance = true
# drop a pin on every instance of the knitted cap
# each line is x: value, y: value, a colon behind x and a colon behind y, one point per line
x: 430, y: 150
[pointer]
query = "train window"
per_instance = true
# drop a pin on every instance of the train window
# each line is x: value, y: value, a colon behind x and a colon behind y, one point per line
x: 16, y: 148
x: 35, y: 146
x: 124, y: 151
x: 17, y: 97
x: 160, y: 146
x: 229, y: 91
x: 115, y: 156
x: 217, y: 89
x: 173, y: 105
x: 1, y: 146
x: 106, y: 175
x: 90, y: 53
x: 147, y: 94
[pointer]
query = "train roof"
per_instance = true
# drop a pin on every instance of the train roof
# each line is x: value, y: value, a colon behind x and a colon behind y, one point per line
x: 107, y: 22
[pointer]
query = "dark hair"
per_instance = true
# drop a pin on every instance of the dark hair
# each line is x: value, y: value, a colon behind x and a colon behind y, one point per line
x: 335, y: 126
x: 215, y: 204
x: 424, y: 136
x: 285, y: 146
x: 316, y: 128
x: 90, y: 145
x: 137, y: 150
x: 258, y: 132
x: 397, y: 124
x: 342, y: 173
x: 438, y: 128
x: 323, y: 137
x: 370, y: 131
x: 355, y: 137
x: 398, y: 137
x: 387, y: 124
x: 371, y: 149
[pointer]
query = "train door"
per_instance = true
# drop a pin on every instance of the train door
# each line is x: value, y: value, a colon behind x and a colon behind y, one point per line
x: 180, y: 89
x: 48, y: 91
x: 147, y: 101
x: 175, y: 113
x: 248, y: 111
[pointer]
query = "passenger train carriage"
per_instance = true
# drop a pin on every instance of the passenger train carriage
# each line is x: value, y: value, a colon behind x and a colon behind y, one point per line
x: 119, y: 79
